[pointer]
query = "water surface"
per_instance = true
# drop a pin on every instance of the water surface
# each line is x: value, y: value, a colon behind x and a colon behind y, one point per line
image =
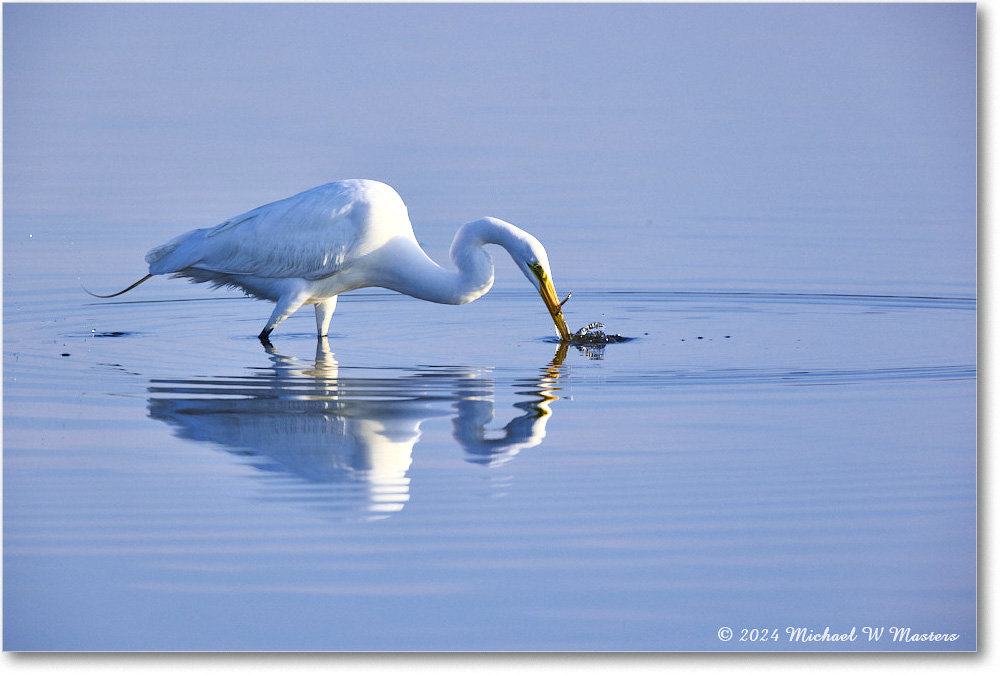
x: 492, y: 492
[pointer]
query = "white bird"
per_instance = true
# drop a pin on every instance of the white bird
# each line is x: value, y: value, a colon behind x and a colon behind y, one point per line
x: 350, y: 234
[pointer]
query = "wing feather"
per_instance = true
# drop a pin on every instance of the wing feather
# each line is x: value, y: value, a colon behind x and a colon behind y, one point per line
x: 310, y: 235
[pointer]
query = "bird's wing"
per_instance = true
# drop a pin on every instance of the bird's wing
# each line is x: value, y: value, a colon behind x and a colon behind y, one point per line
x: 310, y: 235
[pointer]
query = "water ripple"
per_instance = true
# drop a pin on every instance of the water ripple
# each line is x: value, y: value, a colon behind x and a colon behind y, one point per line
x: 737, y: 377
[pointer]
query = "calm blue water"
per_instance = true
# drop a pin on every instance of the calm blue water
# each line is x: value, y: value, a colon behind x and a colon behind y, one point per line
x: 777, y: 203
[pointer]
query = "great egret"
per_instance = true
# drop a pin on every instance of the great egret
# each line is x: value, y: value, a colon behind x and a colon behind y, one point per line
x: 350, y: 234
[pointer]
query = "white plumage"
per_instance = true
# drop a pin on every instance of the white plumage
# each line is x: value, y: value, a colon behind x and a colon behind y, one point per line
x: 311, y: 247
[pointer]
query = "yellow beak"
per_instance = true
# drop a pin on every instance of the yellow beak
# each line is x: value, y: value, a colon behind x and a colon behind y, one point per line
x: 551, y: 300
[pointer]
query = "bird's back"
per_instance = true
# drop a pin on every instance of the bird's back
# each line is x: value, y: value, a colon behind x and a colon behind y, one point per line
x: 311, y: 235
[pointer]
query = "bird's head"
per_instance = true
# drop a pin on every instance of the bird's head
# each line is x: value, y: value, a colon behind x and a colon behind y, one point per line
x: 526, y: 251
x: 534, y: 263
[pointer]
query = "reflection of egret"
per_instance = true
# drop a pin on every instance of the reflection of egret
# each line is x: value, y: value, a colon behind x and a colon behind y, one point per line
x: 310, y: 248
x: 319, y: 427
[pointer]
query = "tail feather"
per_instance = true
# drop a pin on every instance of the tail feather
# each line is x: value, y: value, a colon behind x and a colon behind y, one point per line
x: 126, y: 290
x: 182, y: 251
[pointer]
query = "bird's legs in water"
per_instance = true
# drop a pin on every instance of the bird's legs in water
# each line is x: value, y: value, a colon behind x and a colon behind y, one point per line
x: 285, y: 307
x: 324, y: 312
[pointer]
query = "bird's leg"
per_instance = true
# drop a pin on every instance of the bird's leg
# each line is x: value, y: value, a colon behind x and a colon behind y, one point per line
x: 286, y: 305
x: 324, y: 312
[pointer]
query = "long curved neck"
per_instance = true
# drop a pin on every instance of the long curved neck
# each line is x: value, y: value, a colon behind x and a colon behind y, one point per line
x: 421, y: 277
